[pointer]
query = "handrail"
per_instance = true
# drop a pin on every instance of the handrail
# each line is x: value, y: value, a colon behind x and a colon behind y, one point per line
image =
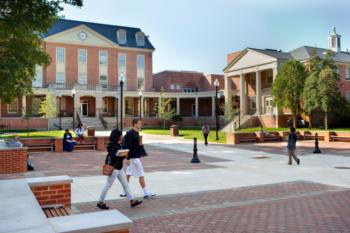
x: 78, y: 117
x: 103, y: 121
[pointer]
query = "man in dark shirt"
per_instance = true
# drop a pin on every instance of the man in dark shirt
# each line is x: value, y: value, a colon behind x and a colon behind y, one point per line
x: 136, y: 151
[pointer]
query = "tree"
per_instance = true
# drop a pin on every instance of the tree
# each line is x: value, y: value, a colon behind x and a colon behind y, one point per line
x: 164, y: 110
x: 329, y: 95
x: 48, y: 107
x: 288, y: 86
x: 310, y: 95
x: 21, y: 26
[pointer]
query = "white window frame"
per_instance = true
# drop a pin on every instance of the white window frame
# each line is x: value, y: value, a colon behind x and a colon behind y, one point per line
x: 99, y: 57
x: 347, y: 73
x: 140, y: 71
x: 140, y: 38
x: 57, y: 55
x: 8, y: 106
x: 64, y: 77
x: 86, y: 56
x: 122, y: 36
x: 172, y: 87
x: 178, y: 87
x: 124, y: 71
x: 38, y: 81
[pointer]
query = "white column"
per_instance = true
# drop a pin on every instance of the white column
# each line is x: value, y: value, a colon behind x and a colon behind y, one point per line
x: 142, y: 114
x: 159, y: 103
x: 24, y: 104
x: 258, y: 92
x: 213, y: 106
x: 242, y: 97
x: 274, y: 75
x: 228, y: 92
x: 196, y: 107
x: 99, y: 104
x: 177, y: 106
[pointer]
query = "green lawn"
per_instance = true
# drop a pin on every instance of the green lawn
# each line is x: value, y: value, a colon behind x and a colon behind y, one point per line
x: 189, y: 134
x: 43, y: 134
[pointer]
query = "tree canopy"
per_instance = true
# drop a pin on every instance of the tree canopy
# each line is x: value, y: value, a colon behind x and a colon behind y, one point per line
x: 288, y: 86
x: 22, y: 22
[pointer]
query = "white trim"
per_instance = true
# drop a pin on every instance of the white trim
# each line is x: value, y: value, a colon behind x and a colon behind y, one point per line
x: 8, y: 106
x: 102, y: 65
x: 125, y: 73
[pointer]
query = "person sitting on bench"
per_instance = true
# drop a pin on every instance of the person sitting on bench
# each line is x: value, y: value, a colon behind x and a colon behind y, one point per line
x: 68, y: 142
x: 80, y: 134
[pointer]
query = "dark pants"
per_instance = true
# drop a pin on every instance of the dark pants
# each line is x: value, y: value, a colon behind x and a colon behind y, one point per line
x: 206, y: 139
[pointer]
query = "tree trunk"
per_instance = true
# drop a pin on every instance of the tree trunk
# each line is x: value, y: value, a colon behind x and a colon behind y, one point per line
x: 326, y: 120
x: 294, y: 121
x: 310, y: 119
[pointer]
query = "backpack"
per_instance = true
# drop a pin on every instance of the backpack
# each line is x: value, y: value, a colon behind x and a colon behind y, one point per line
x: 205, y: 130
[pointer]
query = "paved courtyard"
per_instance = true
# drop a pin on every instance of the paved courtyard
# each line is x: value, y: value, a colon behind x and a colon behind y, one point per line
x: 244, y: 188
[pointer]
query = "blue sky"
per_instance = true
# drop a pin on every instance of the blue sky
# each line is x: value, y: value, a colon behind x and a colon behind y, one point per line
x: 198, y: 34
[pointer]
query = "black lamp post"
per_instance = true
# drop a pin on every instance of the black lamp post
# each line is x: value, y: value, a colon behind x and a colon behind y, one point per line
x: 59, y: 95
x: 140, y: 95
x: 121, y: 101
x: 216, y: 84
x: 73, y: 94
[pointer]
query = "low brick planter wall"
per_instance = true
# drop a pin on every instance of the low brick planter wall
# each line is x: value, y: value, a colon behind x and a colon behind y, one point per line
x: 52, y: 191
x: 13, y: 160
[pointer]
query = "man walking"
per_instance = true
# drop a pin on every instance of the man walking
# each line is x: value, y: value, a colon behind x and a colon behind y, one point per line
x: 136, y: 151
x: 205, y: 131
x: 292, y: 140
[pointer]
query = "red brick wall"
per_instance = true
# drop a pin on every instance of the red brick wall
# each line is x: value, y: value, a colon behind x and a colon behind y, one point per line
x: 13, y: 160
x: 344, y: 84
x: 205, y: 106
x: 186, y: 79
x: 4, y: 112
x: 93, y: 65
x: 232, y: 56
x: 53, y: 194
x: 20, y: 123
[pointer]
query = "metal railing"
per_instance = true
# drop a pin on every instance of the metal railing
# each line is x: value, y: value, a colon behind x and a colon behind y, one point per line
x: 103, y: 121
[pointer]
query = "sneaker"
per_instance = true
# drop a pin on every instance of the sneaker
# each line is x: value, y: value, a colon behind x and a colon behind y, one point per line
x: 298, y: 161
x: 122, y: 195
x: 149, y: 196
x: 135, y: 203
x: 102, y: 206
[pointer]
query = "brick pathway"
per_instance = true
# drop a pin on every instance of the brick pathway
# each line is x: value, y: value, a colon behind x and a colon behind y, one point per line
x: 89, y: 163
x: 285, y: 207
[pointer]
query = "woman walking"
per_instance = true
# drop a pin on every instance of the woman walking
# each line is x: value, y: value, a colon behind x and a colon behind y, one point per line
x: 292, y: 140
x: 112, y: 159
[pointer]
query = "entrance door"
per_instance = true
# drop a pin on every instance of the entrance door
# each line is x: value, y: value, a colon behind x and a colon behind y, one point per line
x: 84, y: 108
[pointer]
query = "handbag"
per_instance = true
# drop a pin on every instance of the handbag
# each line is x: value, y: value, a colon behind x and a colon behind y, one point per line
x: 106, y: 168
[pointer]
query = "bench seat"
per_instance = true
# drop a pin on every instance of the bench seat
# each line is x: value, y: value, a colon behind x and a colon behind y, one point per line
x: 102, y: 221
x: 36, y: 147
x: 340, y: 138
x: 85, y: 146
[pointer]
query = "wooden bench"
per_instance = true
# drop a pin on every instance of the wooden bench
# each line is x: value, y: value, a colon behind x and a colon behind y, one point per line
x: 55, y: 211
x: 272, y: 136
x: 248, y: 137
x: 85, y: 145
x: 335, y: 138
x: 40, y: 147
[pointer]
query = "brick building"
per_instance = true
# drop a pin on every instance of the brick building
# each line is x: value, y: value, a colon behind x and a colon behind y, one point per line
x: 249, y: 75
x: 89, y: 60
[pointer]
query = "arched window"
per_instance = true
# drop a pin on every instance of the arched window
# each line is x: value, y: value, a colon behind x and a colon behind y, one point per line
x: 121, y: 35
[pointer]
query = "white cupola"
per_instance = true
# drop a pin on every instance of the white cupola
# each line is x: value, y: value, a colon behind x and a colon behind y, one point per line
x: 334, y: 41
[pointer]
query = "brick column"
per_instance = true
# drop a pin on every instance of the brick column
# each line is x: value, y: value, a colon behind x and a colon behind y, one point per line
x: 100, y: 143
x: 58, y: 144
x: 13, y: 160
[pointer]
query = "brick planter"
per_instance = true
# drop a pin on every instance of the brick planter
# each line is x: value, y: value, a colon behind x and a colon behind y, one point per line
x: 13, y: 160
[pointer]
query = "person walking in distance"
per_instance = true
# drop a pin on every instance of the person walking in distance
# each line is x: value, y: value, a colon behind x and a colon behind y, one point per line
x: 112, y: 159
x: 136, y: 151
x: 205, y: 131
x: 292, y: 140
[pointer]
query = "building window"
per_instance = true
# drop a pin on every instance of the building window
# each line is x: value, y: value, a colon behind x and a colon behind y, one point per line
x: 38, y: 81
x: 191, y: 89
x: 60, y: 55
x: 103, y: 80
x: 121, y: 35
x: 129, y: 106
x: 13, y: 106
x: 60, y: 77
x: 82, y: 56
x: 347, y: 73
x: 140, y: 72
x: 178, y: 87
x: 122, y: 67
x: 105, y: 105
x: 172, y: 87
x: 103, y: 57
x: 140, y: 39
x: 347, y: 96
x: 82, y: 79
x: 269, y: 78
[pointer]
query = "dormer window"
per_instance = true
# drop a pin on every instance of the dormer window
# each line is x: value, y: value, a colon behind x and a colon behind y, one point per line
x: 140, y: 38
x: 121, y: 35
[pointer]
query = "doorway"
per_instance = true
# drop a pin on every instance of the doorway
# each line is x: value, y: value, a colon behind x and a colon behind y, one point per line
x: 85, y: 108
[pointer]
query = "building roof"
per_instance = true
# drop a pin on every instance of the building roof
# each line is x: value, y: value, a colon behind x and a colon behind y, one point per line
x: 274, y: 53
x: 305, y: 52
x: 108, y: 31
